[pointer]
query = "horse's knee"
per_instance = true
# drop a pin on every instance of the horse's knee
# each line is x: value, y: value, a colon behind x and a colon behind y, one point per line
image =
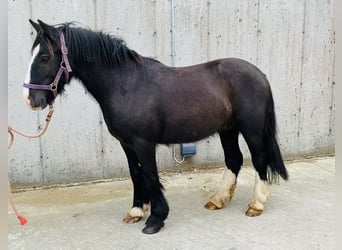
x: 234, y: 162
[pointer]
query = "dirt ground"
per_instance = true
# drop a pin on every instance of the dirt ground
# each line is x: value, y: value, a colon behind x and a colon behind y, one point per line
x: 299, y: 215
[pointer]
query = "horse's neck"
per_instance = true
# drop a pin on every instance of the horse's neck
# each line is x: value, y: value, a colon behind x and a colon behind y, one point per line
x: 101, y: 81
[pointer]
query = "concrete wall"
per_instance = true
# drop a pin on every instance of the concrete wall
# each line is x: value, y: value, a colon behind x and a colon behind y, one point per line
x: 292, y: 41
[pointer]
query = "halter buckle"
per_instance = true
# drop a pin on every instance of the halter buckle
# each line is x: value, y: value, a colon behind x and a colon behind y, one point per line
x: 53, y: 86
x: 63, y: 65
x: 64, y: 50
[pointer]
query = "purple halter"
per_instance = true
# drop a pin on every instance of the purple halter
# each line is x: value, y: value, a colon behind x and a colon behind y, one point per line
x: 64, y: 68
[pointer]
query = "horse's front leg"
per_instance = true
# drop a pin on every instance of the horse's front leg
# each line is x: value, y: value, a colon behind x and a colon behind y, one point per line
x: 146, y: 153
x: 140, y: 195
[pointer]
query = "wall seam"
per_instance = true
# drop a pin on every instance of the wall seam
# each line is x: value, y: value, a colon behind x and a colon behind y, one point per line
x: 100, y: 158
x: 257, y: 36
x: 332, y: 85
x: 208, y: 30
x: 43, y: 178
x: 301, y: 72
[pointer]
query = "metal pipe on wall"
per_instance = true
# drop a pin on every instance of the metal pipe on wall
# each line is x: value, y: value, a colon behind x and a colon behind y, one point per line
x: 173, y: 62
x: 191, y: 149
x: 172, y: 30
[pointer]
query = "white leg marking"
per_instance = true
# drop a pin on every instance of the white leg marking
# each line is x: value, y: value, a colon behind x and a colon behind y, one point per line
x: 28, y: 77
x: 261, y: 193
x: 226, y: 189
x: 146, y: 207
x: 136, y: 213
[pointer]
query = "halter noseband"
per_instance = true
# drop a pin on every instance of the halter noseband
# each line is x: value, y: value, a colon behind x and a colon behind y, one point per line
x: 63, y: 68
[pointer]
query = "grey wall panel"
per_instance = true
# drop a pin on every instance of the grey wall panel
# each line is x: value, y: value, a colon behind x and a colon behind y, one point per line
x: 24, y: 156
x: 317, y: 76
x: 291, y: 41
x: 280, y: 48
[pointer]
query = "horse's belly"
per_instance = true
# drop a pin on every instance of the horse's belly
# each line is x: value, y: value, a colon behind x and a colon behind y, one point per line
x: 194, y: 126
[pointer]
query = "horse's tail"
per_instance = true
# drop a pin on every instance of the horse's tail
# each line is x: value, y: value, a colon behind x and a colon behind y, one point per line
x: 275, y: 162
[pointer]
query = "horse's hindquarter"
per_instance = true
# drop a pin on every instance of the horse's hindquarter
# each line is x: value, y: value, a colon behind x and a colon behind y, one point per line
x: 193, y: 102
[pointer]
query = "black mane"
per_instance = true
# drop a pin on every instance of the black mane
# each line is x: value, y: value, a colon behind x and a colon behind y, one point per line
x: 97, y: 47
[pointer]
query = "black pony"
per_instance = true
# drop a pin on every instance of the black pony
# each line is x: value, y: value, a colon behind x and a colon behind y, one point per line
x: 145, y: 103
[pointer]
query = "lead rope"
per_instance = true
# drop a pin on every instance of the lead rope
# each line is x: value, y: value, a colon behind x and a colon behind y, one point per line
x: 20, y: 217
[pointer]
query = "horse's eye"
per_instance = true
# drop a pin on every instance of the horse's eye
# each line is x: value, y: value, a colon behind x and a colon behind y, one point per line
x: 44, y: 57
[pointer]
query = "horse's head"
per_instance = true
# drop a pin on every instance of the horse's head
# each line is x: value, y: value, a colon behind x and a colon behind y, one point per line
x: 49, y: 67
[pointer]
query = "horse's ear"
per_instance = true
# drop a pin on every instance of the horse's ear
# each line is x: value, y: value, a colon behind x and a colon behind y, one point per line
x: 35, y: 25
x: 50, y: 31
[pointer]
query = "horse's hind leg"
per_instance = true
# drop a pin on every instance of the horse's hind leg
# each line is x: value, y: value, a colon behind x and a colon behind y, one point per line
x: 233, y: 160
x: 260, y: 196
x: 255, y: 144
x: 140, y: 196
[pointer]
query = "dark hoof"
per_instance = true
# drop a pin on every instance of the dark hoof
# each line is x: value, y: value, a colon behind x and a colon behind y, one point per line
x: 152, y: 229
x: 153, y: 225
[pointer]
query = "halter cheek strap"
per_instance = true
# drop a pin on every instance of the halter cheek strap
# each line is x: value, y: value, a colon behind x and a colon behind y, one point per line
x: 63, y: 68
